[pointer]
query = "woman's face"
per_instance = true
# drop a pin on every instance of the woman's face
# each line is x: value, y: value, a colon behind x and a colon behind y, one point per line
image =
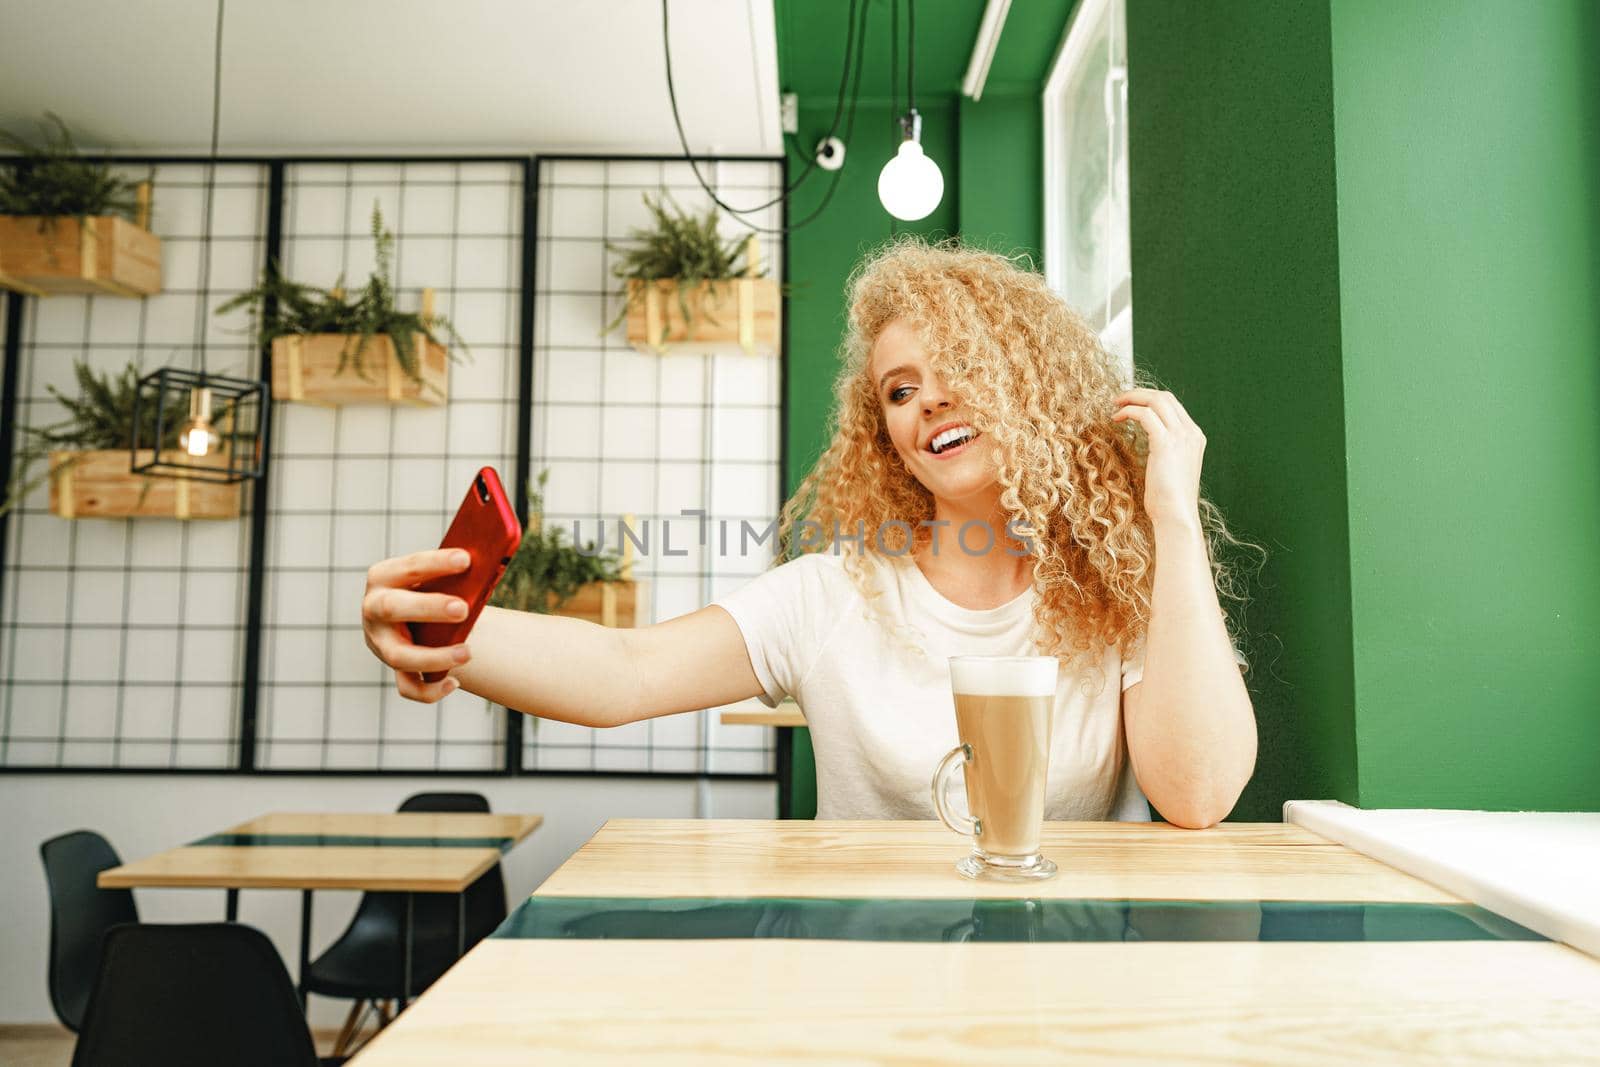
x: 922, y: 415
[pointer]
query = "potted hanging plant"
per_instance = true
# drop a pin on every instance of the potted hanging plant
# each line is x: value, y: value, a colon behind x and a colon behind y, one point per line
x: 330, y: 348
x: 684, y: 287
x: 548, y: 574
x: 69, y: 224
x: 90, y: 453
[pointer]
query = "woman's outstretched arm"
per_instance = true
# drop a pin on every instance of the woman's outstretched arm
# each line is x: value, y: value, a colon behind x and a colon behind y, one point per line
x: 582, y: 672
x: 551, y: 666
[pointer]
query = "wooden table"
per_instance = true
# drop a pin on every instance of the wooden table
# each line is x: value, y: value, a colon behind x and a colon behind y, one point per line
x: 406, y: 852
x: 1228, y: 995
x: 785, y: 715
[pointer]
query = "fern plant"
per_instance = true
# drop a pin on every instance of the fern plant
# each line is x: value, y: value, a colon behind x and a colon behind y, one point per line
x: 52, y: 179
x: 304, y: 309
x: 681, y: 247
x: 548, y: 565
x: 101, y: 417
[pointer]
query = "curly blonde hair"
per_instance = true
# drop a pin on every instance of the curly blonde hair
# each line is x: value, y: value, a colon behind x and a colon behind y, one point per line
x: 1036, y: 380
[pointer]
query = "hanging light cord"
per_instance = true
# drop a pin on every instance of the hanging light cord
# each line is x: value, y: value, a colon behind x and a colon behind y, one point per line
x: 894, y: 65
x: 911, y: 55
x: 202, y: 309
x: 896, y: 131
x: 855, y: 46
x: 850, y: 37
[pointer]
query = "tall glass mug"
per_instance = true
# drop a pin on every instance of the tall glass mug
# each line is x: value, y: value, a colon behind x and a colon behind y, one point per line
x: 1004, y: 708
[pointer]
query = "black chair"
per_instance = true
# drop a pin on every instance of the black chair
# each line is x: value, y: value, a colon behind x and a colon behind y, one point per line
x: 365, y: 962
x: 193, y: 996
x: 80, y: 914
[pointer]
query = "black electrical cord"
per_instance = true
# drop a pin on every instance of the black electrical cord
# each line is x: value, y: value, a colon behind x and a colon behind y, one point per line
x: 855, y: 45
x: 896, y: 132
x: 851, y: 40
x: 894, y: 65
x: 201, y: 309
x: 911, y: 55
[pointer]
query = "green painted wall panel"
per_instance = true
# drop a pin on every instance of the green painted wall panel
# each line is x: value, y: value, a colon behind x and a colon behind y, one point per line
x: 1028, y: 43
x: 803, y: 781
x: 1235, y: 284
x: 1469, y: 252
x: 1002, y: 174
x: 1366, y: 247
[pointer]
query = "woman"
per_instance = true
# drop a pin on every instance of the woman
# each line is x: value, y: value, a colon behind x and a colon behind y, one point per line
x: 984, y: 492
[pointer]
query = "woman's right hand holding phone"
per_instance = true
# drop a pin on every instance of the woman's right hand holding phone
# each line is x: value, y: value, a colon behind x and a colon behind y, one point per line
x: 391, y: 601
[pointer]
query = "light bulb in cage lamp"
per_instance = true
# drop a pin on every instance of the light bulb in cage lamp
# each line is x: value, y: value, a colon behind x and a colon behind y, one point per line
x: 910, y: 185
x: 197, y: 437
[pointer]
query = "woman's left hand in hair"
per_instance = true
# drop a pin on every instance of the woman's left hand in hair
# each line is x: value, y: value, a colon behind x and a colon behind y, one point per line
x: 1172, y: 475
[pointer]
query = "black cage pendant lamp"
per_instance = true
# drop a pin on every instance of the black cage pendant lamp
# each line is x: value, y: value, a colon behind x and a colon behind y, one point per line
x: 194, y: 424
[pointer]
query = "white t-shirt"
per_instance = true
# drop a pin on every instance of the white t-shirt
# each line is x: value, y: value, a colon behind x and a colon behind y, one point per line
x: 882, y: 717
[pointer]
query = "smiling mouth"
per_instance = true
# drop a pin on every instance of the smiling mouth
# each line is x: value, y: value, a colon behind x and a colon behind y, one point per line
x: 951, y: 441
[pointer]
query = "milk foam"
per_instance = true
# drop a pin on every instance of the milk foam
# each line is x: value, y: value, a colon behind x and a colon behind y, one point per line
x: 1003, y: 676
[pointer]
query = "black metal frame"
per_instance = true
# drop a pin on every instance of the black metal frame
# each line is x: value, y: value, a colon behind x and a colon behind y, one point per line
x: 171, y: 387
x: 8, y: 413
x: 250, y: 683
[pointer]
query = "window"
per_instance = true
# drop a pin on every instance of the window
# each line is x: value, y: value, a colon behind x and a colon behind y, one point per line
x: 1086, y: 173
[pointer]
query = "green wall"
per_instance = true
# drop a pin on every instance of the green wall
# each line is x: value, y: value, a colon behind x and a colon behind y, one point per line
x: 1366, y: 247
x: 1002, y: 172
x: 1365, y: 253
x: 1236, y: 310
x: 1468, y: 139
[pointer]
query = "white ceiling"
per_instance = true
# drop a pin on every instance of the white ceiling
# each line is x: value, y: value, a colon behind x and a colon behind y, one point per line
x: 332, y: 76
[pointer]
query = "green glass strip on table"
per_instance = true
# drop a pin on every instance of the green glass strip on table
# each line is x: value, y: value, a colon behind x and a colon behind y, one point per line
x: 1009, y: 920
x: 349, y: 841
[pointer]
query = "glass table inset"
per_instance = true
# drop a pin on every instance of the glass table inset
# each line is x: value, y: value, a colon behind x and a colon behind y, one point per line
x: 1002, y: 920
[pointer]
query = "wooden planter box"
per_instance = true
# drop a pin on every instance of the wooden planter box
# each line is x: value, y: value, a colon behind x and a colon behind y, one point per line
x: 105, y: 255
x: 100, y: 486
x: 304, y: 366
x: 303, y: 370
x: 623, y: 604
x: 739, y: 315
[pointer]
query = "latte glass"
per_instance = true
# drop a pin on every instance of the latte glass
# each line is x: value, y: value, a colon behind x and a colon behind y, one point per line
x: 1004, y: 709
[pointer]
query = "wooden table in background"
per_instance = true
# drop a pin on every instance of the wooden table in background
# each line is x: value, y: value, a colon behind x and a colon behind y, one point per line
x: 785, y: 715
x: 404, y: 852
x: 814, y: 1001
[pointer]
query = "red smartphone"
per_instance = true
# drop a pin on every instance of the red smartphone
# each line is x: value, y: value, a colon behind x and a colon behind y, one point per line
x: 486, y: 526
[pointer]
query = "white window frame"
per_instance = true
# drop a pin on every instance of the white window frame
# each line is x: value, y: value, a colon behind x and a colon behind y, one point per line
x: 1117, y: 334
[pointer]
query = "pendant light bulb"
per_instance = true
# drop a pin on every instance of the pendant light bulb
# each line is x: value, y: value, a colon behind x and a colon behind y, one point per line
x: 910, y: 185
x: 197, y: 437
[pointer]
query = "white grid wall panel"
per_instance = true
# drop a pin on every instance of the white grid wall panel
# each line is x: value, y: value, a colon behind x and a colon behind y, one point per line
x: 361, y: 483
x: 121, y: 640
x: 625, y: 433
